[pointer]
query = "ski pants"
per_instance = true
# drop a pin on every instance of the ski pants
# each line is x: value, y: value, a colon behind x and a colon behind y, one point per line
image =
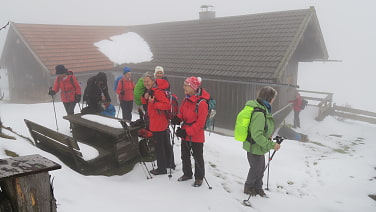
x: 163, y: 150
x: 197, y: 149
x: 69, y: 107
x: 126, y: 108
x: 256, y: 171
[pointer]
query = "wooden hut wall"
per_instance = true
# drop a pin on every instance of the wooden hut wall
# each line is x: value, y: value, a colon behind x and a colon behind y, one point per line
x: 27, y: 79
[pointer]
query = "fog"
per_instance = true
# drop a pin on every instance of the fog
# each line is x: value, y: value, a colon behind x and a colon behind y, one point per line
x: 347, y: 27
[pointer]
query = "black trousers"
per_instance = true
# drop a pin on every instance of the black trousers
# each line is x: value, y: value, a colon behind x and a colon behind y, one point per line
x: 126, y: 108
x: 163, y: 151
x: 296, y: 119
x: 198, y: 155
x: 256, y: 171
x: 69, y: 107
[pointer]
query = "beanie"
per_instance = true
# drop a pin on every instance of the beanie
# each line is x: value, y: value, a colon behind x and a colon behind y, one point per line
x: 60, y: 69
x: 126, y: 70
x: 158, y: 68
x: 194, y: 82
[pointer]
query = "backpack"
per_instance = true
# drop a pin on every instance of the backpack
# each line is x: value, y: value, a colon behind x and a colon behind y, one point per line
x: 243, y: 120
x: 304, y: 104
x: 209, y: 124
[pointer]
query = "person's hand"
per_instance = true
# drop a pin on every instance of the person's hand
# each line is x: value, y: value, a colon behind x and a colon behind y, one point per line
x: 277, y: 146
x: 77, y: 98
x: 51, y: 92
x: 181, y: 133
x: 175, y: 120
x: 122, y: 93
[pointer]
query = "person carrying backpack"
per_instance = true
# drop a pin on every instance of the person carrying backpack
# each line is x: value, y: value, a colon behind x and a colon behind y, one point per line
x: 258, y: 143
x: 192, y: 129
x: 297, y: 107
x: 95, y: 94
x: 125, y: 89
x: 69, y: 86
x: 157, y: 102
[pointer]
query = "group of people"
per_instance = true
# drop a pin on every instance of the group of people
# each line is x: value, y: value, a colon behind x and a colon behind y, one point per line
x: 149, y: 93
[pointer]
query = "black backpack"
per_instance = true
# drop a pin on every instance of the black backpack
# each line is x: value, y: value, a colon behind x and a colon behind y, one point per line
x: 304, y: 104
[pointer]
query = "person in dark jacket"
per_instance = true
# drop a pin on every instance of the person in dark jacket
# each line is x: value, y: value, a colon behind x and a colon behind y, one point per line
x: 193, y: 120
x: 96, y: 93
x: 69, y: 86
x: 296, y: 106
x: 260, y: 142
x: 157, y: 103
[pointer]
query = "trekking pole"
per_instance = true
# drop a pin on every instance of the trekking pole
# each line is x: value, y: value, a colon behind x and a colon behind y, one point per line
x: 53, y: 103
x: 117, y: 115
x: 197, y: 165
x: 128, y: 134
x: 172, y: 150
x: 279, y: 140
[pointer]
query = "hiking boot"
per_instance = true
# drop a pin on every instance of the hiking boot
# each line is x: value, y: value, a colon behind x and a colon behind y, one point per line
x: 250, y: 191
x: 197, y: 183
x: 157, y: 172
x: 261, y: 192
x: 184, y: 178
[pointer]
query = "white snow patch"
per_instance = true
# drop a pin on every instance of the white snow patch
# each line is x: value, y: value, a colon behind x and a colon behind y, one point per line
x: 125, y: 48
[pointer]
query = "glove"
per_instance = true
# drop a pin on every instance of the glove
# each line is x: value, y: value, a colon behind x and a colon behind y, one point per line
x: 122, y: 93
x: 181, y: 132
x: 175, y: 120
x: 137, y: 123
x: 77, y: 98
x: 51, y: 92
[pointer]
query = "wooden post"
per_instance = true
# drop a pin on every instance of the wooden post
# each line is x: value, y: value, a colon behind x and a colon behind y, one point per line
x: 25, y: 182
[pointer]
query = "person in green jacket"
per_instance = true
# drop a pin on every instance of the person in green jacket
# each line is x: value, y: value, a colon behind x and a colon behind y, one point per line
x: 259, y: 142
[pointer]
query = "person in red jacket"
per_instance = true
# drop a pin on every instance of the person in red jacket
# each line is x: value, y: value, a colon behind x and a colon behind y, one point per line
x: 69, y: 86
x: 157, y: 103
x: 125, y: 89
x: 296, y: 106
x: 193, y: 118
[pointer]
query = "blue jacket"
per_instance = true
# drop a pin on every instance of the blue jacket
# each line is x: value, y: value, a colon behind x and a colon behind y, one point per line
x: 109, y: 111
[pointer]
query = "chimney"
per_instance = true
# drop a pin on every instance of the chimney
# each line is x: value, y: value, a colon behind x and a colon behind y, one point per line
x: 207, y: 12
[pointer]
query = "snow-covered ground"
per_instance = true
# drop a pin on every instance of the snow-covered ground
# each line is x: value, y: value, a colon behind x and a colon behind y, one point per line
x: 334, y: 171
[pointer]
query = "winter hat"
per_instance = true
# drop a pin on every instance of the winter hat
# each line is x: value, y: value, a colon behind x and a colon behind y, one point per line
x: 193, y: 82
x: 60, y: 69
x: 158, y: 68
x: 126, y: 70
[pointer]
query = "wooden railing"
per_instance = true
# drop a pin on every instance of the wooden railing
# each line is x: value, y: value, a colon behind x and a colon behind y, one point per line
x: 324, y: 105
x: 355, y: 114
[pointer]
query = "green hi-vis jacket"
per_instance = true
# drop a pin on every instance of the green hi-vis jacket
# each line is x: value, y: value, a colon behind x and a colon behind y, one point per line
x: 258, y: 132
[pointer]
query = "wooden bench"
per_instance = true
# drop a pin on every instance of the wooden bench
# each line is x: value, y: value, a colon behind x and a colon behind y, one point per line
x: 66, y: 149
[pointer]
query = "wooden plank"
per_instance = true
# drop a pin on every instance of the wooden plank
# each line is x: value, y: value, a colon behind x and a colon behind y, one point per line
x: 76, y: 119
x: 51, y: 143
x: 25, y: 165
x: 352, y: 110
x: 355, y: 117
x: 51, y: 134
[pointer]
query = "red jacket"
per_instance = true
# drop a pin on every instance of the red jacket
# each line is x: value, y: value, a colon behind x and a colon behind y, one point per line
x: 127, y: 86
x: 194, y: 121
x: 69, y: 87
x: 297, y: 103
x: 157, y: 117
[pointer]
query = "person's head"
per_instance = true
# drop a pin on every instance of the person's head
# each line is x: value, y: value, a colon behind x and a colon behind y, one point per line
x: 61, y: 71
x: 127, y: 72
x: 149, y: 79
x: 159, y: 72
x: 191, y: 85
x: 268, y: 94
x: 297, y: 95
x: 101, y: 78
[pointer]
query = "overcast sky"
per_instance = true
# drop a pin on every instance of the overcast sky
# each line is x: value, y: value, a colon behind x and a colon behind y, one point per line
x: 347, y: 25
